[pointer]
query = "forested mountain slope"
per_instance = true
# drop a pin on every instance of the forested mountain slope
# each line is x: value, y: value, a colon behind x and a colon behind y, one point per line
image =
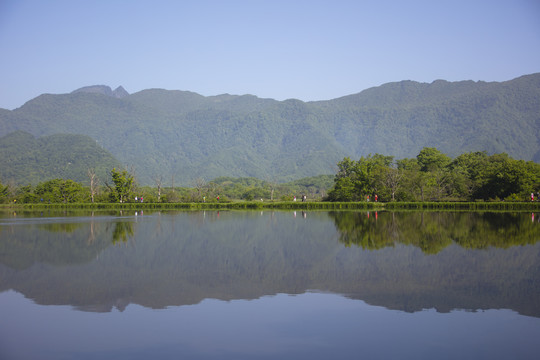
x: 26, y: 160
x: 184, y: 135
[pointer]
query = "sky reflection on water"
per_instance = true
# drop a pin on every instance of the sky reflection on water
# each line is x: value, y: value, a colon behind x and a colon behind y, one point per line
x: 310, y: 325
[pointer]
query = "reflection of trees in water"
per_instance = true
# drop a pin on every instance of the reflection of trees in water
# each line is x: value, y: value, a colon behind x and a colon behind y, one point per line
x: 61, y: 227
x: 363, y: 229
x: 433, y: 231
x: 123, y: 231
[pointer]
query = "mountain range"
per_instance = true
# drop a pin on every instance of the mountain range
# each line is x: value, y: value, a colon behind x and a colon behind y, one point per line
x: 182, y: 136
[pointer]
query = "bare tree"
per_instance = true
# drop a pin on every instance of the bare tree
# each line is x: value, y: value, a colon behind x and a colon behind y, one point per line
x: 272, y: 184
x: 272, y: 189
x: 159, y: 182
x: 93, y: 182
x: 200, y: 183
x: 91, y: 236
x: 440, y: 179
x: 392, y: 180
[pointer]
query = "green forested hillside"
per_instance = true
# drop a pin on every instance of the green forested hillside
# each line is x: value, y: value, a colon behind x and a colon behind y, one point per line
x: 182, y: 136
x: 27, y: 160
x: 454, y: 117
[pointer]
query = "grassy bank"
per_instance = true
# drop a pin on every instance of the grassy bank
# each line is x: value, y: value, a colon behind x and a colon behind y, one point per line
x: 500, y: 205
x: 241, y: 205
x: 287, y: 205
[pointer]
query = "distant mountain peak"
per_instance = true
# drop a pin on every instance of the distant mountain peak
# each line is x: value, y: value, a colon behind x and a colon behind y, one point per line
x: 119, y: 92
x: 95, y: 89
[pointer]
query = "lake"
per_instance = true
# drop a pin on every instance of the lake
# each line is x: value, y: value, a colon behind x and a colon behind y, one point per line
x: 268, y: 285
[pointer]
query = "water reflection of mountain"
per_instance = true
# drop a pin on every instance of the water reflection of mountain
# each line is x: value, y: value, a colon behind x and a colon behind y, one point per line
x: 170, y: 260
x: 58, y: 243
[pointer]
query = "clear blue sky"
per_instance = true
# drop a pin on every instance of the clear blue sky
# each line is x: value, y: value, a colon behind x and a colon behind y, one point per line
x: 308, y: 50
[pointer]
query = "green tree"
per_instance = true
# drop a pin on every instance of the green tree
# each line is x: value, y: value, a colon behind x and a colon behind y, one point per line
x: 60, y: 190
x: 25, y: 194
x: 431, y: 159
x: 434, y: 176
x: 343, y: 190
x: 438, y: 182
x: 468, y: 173
x: 346, y: 182
x: 346, y: 168
x: 371, y: 173
x: 506, y: 176
x: 4, y: 191
x: 356, y: 179
x: 123, y: 185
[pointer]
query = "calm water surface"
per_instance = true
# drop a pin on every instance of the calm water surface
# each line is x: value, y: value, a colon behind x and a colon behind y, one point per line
x: 267, y: 285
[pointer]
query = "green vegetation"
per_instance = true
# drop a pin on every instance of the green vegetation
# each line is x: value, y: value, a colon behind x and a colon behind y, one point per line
x: 179, y: 136
x: 26, y: 160
x: 60, y: 191
x: 284, y: 205
x: 123, y: 185
x: 433, y: 176
x: 432, y: 180
x: 124, y: 190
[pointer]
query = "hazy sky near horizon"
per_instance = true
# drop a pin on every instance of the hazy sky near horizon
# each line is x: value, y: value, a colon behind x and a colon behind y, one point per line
x: 308, y: 50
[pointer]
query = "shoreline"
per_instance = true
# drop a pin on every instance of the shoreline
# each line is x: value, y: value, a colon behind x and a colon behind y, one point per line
x: 289, y: 205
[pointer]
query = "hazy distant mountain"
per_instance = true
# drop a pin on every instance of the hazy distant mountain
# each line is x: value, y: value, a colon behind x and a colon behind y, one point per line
x: 119, y: 92
x: 185, y: 135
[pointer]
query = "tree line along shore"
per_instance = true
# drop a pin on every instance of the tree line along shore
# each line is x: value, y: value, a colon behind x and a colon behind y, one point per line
x: 279, y: 205
x: 373, y: 181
